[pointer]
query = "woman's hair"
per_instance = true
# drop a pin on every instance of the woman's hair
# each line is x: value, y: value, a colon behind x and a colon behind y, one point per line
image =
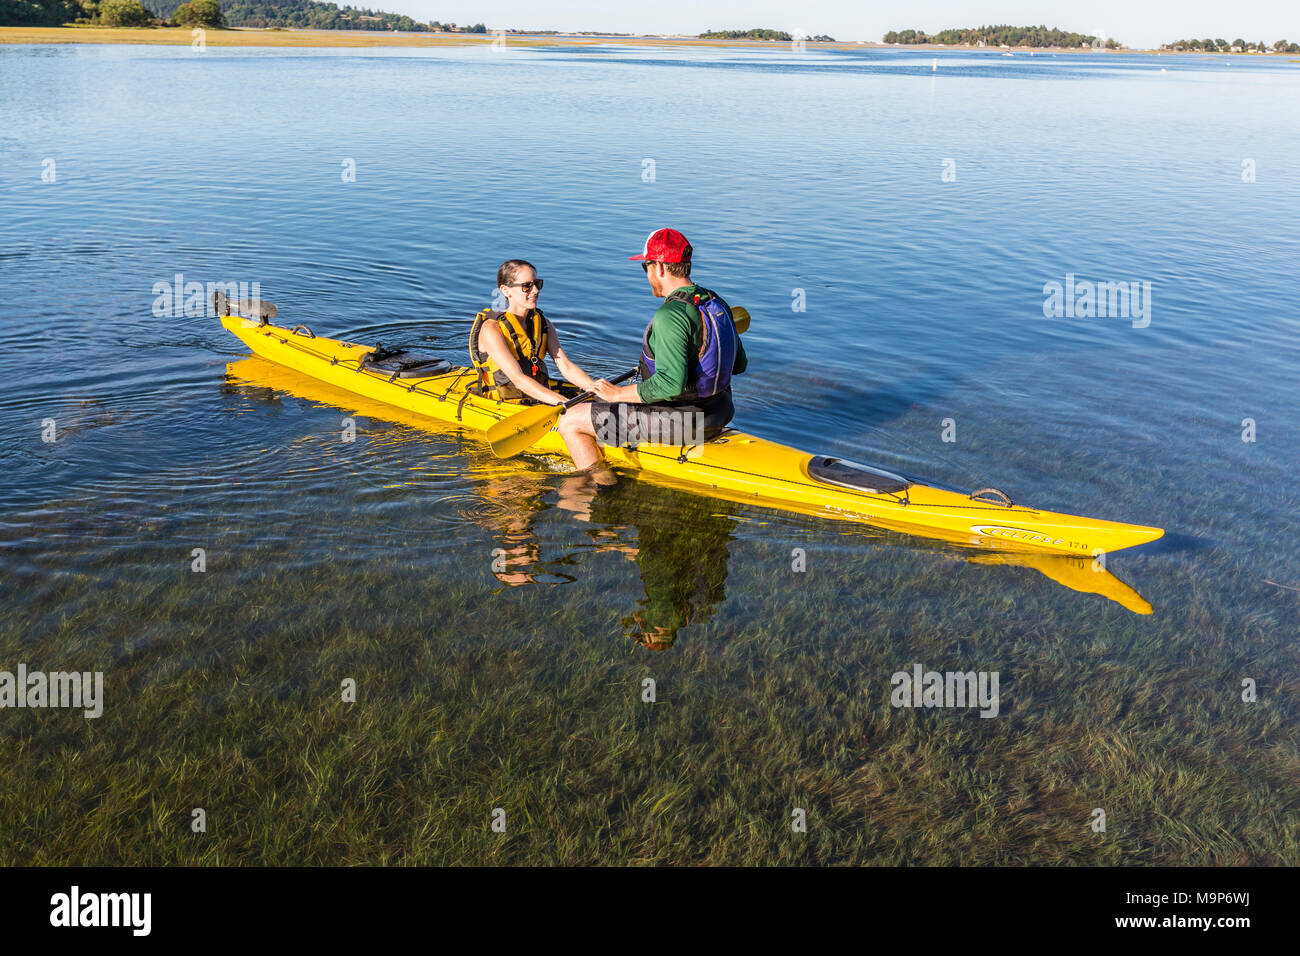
x: 510, y: 268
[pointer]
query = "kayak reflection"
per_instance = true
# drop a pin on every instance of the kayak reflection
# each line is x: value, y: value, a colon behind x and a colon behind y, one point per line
x: 517, y: 559
x: 1086, y: 575
x: 679, y: 544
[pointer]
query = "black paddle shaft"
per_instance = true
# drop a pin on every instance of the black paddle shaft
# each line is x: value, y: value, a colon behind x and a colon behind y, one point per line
x: 586, y: 395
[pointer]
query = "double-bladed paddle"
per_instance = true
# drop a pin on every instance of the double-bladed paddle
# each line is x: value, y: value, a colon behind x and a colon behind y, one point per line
x: 512, y: 435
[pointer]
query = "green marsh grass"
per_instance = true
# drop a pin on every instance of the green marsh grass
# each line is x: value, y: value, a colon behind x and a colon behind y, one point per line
x: 223, y: 692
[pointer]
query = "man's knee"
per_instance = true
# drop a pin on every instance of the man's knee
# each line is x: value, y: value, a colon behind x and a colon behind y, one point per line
x: 576, y: 421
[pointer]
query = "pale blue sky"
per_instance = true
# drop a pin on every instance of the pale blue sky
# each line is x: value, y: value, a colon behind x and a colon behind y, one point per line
x: 1135, y: 22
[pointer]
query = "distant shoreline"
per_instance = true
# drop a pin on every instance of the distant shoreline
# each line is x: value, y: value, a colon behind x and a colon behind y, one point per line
x: 292, y: 37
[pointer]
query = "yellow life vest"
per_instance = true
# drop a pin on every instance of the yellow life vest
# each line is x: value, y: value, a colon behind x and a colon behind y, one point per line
x: 528, y: 342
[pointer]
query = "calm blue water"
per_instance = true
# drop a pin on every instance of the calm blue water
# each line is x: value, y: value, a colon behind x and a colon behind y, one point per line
x: 917, y: 214
x: 822, y: 172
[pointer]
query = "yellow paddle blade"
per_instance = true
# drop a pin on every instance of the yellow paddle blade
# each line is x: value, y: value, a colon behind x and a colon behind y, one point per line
x: 512, y: 435
x: 740, y: 315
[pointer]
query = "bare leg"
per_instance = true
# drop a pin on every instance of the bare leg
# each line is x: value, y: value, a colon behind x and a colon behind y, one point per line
x: 579, y: 436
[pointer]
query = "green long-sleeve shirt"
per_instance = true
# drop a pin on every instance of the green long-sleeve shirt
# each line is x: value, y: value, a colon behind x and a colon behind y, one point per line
x: 676, y: 334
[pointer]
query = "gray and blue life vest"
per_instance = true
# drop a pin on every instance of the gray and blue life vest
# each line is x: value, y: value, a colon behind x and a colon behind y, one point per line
x: 708, y: 373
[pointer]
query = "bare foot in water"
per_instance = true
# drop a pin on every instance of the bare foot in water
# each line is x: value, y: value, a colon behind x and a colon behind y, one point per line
x: 601, y: 474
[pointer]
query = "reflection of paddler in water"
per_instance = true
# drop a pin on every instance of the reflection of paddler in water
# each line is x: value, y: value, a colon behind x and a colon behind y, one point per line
x: 517, y: 558
x: 680, y: 549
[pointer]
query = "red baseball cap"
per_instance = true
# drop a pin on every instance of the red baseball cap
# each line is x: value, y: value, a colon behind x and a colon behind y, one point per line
x: 664, y: 245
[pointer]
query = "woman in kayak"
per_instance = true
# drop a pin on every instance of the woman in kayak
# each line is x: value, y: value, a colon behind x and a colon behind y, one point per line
x: 510, y: 348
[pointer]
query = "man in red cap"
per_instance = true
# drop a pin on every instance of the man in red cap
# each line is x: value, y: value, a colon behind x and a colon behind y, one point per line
x: 689, y: 352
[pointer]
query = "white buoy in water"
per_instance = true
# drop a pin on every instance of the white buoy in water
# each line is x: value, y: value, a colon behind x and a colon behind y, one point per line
x: 935, y: 67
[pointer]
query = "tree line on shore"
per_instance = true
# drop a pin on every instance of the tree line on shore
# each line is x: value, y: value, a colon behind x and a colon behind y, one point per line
x: 759, y: 33
x: 1043, y: 37
x: 315, y: 15
x: 1236, y: 46
x: 302, y: 14
x: 1040, y: 36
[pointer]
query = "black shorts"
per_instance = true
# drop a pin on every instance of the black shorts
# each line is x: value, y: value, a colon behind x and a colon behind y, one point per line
x: 632, y: 423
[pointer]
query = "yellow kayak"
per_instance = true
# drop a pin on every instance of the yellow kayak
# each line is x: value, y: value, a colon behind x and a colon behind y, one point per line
x: 735, y: 466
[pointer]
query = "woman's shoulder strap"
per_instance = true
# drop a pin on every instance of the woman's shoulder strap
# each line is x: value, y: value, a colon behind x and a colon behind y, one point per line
x: 476, y: 355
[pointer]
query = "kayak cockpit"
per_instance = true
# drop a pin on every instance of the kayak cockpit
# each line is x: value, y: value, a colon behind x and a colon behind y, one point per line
x: 848, y: 474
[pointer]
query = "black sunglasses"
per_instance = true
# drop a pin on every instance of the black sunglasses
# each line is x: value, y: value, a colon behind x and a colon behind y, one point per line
x: 526, y: 286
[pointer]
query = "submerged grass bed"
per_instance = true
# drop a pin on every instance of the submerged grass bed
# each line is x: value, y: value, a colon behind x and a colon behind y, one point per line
x: 223, y: 691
